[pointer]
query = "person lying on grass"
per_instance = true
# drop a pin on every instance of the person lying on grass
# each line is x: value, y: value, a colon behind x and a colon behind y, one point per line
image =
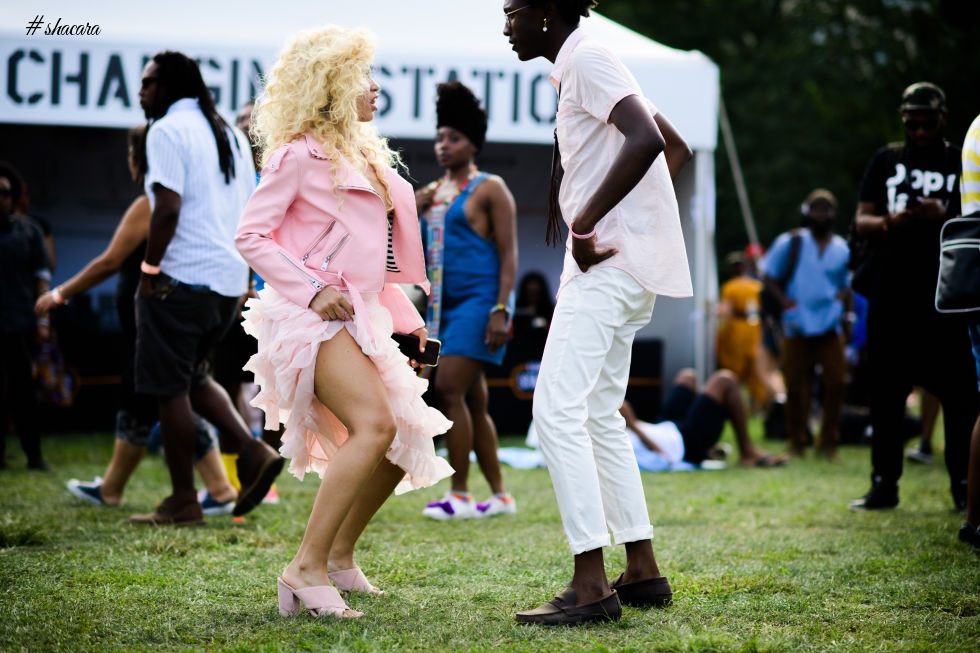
x: 690, y: 423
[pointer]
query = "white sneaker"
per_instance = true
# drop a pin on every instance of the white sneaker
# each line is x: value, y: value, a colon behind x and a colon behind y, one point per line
x: 916, y: 455
x: 212, y: 507
x: 496, y: 505
x: 451, y: 506
x: 90, y: 492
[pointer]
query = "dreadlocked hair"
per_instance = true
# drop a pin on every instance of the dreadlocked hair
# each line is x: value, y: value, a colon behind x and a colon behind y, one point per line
x: 180, y: 77
x: 136, y: 137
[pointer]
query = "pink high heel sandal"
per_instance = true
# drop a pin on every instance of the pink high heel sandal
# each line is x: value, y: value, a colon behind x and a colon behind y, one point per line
x: 321, y: 601
x: 353, y: 580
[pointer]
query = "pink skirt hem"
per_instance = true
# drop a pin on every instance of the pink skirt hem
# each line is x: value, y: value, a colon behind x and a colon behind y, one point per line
x: 289, y: 338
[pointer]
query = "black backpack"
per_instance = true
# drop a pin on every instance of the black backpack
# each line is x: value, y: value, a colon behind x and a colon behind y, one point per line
x: 769, y: 304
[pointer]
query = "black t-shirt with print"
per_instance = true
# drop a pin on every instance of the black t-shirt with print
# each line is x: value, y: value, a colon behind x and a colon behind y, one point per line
x: 907, y: 258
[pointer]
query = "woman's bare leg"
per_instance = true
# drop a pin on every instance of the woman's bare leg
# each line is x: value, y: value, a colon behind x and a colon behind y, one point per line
x: 348, y: 383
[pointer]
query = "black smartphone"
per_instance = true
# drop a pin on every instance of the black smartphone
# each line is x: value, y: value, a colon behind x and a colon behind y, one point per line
x: 409, y: 345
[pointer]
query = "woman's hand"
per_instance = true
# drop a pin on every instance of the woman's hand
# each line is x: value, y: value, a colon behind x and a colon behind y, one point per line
x: 45, y: 304
x: 497, y: 330
x: 423, y: 336
x: 330, y: 304
x: 423, y: 197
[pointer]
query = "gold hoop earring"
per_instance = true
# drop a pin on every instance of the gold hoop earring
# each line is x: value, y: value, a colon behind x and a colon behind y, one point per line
x: 544, y: 28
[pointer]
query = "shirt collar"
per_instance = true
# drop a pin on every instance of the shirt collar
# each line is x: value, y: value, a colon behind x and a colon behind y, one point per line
x: 564, y: 55
x: 183, y: 104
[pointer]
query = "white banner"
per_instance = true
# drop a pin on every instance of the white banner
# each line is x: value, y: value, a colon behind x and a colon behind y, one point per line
x: 79, y: 81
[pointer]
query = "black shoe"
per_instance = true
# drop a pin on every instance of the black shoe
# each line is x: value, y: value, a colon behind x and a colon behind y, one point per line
x: 38, y: 465
x: 645, y: 593
x: 970, y: 535
x: 878, y: 497
x: 562, y: 611
x: 959, y: 498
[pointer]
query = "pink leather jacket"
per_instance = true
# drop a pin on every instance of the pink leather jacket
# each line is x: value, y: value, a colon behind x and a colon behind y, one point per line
x: 300, y: 234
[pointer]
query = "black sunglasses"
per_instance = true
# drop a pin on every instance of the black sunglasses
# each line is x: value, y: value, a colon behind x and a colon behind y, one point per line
x: 928, y: 124
x: 5, y: 192
x: 146, y: 81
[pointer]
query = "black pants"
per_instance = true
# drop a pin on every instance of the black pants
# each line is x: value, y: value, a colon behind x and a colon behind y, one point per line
x: 933, y: 353
x: 18, y: 399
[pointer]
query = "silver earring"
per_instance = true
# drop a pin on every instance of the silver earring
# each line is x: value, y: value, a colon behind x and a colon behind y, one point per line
x: 544, y: 28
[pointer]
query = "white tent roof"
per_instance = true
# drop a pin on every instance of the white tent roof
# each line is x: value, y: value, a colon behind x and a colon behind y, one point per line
x: 91, y: 79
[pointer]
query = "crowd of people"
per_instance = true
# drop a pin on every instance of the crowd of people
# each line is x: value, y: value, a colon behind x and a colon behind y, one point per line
x: 845, y: 309
x: 279, y: 251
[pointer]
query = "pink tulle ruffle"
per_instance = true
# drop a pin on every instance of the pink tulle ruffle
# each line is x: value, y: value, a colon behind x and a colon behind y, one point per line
x: 289, y: 337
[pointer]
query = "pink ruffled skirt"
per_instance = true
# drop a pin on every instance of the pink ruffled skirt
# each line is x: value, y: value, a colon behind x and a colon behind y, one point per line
x: 289, y: 338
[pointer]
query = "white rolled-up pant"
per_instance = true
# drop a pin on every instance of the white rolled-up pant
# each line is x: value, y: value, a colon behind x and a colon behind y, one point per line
x: 580, y: 387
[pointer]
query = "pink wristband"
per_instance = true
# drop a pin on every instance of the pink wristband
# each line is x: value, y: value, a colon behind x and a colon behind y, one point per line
x: 146, y: 268
x: 582, y: 236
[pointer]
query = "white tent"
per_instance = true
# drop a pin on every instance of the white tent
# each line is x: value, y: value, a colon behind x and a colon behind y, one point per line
x: 78, y: 65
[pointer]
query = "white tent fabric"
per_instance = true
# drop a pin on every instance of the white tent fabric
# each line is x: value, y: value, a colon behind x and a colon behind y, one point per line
x: 88, y: 77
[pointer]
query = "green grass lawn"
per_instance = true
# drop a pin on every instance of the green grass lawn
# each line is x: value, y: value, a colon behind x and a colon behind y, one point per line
x: 759, y: 560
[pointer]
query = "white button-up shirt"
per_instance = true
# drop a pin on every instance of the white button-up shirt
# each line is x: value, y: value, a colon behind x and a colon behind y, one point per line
x: 645, y: 226
x: 182, y: 156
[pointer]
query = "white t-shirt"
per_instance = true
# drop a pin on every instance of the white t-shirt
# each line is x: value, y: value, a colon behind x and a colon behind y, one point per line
x: 665, y: 435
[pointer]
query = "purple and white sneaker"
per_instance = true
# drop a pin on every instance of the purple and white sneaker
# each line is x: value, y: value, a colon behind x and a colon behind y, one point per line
x: 451, y: 506
x: 497, y: 505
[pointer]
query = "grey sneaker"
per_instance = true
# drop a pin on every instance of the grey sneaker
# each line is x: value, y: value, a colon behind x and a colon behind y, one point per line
x: 917, y: 455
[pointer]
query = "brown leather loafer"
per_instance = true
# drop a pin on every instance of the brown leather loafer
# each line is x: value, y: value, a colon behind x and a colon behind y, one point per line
x: 562, y: 611
x: 654, y: 592
x: 173, y: 511
x: 258, y: 466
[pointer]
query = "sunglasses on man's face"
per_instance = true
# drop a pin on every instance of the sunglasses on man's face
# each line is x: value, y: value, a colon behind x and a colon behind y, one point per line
x: 5, y: 192
x: 929, y: 124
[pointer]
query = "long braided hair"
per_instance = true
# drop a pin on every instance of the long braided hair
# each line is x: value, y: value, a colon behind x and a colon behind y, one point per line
x: 180, y: 77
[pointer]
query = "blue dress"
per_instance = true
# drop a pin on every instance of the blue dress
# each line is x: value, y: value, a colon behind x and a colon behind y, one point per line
x: 471, y: 278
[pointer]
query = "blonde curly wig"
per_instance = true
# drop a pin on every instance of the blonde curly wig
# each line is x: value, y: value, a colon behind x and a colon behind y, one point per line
x: 313, y: 88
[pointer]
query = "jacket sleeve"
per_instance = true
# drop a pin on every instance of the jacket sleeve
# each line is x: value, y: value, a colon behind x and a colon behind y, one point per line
x: 264, y: 213
x: 404, y: 316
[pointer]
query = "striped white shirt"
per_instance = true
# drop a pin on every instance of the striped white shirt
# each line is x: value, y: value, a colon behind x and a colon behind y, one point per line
x: 970, y: 181
x: 182, y: 156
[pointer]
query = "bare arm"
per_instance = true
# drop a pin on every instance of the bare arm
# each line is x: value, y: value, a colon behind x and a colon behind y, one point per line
x: 642, y: 145
x: 632, y: 423
x: 869, y: 222
x: 502, y: 211
x: 678, y: 152
x: 163, y: 224
x: 130, y: 232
